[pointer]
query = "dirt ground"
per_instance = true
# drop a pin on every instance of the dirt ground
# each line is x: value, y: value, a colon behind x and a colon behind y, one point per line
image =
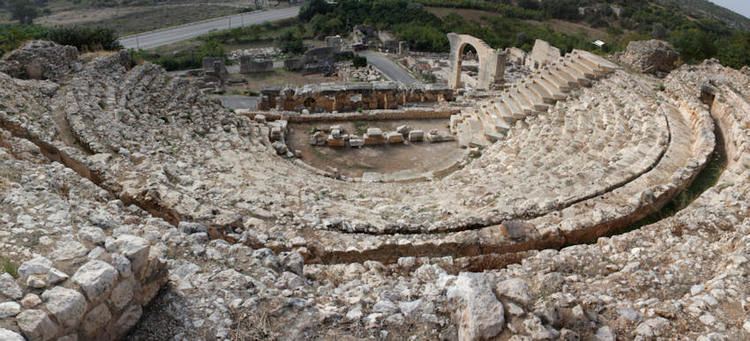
x: 419, y: 157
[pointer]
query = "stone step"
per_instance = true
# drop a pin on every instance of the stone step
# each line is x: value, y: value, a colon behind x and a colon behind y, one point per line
x: 476, y: 132
x: 580, y: 78
x: 490, y: 131
x: 557, y: 82
x: 556, y: 92
x: 588, y: 65
x: 508, y: 112
x: 542, y: 92
x: 526, y: 104
x: 595, y: 61
x: 515, y: 108
x: 499, y: 123
x: 590, y: 73
x: 560, y: 74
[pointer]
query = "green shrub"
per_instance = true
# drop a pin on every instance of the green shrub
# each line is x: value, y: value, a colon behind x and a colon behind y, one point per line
x: 359, y: 61
x: 183, y: 60
x: 7, y: 266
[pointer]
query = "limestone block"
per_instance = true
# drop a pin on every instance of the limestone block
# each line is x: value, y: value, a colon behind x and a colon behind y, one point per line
x: 9, y: 288
x: 403, y: 130
x: 96, y: 278
x: 480, y: 315
x: 356, y: 141
x: 68, y: 306
x: 9, y: 309
x: 30, y: 301
x: 127, y: 320
x: 8, y: 335
x: 374, y: 132
x: 36, y: 325
x: 36, y: 266
x: 122, y: 264
x: 393, y: 137
x: 96, y: 320
x: 334, y: 142
x: 136, y: 249
x: 416, y: 136
x: 91, y: 236
x: 122, y: 294
x: 318, y: 138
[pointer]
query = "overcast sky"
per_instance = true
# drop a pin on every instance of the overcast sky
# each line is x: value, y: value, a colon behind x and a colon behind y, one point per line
x: 739, y: 6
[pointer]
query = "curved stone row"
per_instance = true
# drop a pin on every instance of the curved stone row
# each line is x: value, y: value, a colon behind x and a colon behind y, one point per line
x: 623, y: 135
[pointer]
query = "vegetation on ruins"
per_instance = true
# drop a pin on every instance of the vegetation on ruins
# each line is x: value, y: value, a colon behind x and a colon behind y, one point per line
x: 7, y: 266
x: 184, y: 59
x: 84, y: 38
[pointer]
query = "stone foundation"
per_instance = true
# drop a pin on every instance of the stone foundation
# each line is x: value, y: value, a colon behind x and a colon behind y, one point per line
x: 351, y: 97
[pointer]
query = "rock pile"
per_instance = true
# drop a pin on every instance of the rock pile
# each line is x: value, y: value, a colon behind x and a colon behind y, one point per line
x: 651, y: 56
x: 40, y: 59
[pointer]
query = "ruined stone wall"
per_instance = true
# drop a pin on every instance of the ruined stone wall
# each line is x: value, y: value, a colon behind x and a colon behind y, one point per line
x: 491, y: 61
x: 248, y: 64
x: 351, y: 97
x: 377, y: 115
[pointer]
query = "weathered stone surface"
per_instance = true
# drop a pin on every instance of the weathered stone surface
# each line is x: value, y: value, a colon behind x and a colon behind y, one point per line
x: 651, y: 56
x: 95, y: 320
x: 136, y: 249
x: 66, y: 305
x: 479, y: 314
x: 122, y: 294
x: 9, y: 288
x: 9, y: 309
x: 10, y: 335
x: 515, y: 289
x: 39, y: 59
x: 558, y: 175
x: 36, y: 325
x: 96, y: 278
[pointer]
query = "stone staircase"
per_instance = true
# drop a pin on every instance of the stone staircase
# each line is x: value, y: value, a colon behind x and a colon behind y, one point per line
x: 490, y: 121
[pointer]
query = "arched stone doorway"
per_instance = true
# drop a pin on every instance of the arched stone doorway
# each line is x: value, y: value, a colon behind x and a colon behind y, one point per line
x: 491, y: 61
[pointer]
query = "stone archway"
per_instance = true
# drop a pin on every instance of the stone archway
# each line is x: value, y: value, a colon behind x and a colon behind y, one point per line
x: 491, y: 61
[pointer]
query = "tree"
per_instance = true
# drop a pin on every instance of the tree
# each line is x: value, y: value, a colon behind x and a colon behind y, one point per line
x: 312, y: 8
x: 292, y: 43
x: 658, y: 31
x: 694, y: 45
x: 23, y: 10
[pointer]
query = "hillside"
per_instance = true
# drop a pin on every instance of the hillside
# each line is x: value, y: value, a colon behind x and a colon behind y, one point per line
x: 703, y: 8
x: 699, y: 32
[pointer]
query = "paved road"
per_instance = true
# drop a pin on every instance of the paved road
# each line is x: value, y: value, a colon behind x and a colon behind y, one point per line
x: 388, y: 67
x: 171, y: 35
x: 240, y: 102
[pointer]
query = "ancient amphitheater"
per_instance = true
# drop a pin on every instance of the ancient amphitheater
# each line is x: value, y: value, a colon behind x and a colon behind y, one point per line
x: 136, y: 207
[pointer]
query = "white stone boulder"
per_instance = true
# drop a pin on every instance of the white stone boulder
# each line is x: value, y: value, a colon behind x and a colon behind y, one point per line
x: 96, y: 278
x: 66, y: 305
x: 7, y: 335
x: 36, y: 325
x: 514, y: 289
x: 9, y: 309
x: 480, y: 315
x: 9, y: 288
x: 136, y: 249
